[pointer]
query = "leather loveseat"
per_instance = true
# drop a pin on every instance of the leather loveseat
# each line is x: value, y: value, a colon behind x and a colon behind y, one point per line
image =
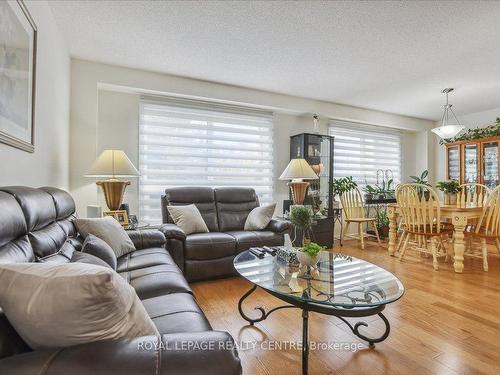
x: 203, y: 256
x: 37, y: 225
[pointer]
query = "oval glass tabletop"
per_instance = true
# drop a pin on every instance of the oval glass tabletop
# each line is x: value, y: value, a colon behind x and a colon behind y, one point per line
x: 339, y: 280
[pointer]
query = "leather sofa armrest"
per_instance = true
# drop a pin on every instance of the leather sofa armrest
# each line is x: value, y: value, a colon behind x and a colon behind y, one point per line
x: 144, y: 239
x: 207, y: 353
x: 172, y: 231
x: 279, y: 226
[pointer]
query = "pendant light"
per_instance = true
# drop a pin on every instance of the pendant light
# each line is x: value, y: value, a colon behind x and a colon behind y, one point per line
x: 447, y: 130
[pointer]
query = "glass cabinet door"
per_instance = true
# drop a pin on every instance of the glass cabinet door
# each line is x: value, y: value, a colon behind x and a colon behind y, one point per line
x: 453, y: 163
x: 471, y: 156
x: 490, y: 164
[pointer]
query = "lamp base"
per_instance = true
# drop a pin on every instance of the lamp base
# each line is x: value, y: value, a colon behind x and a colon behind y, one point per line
x: 299, y: 189
x: 113, y: 192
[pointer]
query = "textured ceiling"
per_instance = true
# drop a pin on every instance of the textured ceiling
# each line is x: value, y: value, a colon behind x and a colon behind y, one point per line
x: 389, y: 56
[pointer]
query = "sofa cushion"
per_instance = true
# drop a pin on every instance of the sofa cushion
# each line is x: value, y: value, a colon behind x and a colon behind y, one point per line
x: 176, y: 313
x: 108, y: 230
x: 259, y: 217
x: 95, y: 246
x: 233, y: 206
x: 248, y: 239
x: 56, y: 306
x: 79, y: 257
x: 188, y: 218
x: 197, y: 270
x: 144, y: 258
x: 202, y: 246
x: 203, y: 198
x: 156, y: 280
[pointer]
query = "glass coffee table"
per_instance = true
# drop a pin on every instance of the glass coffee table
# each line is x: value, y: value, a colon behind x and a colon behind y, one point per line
x: 340, y: 285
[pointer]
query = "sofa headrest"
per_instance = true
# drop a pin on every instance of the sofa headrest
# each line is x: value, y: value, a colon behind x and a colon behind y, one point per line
x: 235, y: 195
x: 14, y: 225
x: 37, y: 205
x: 63, y: 202
x: 190, y: 194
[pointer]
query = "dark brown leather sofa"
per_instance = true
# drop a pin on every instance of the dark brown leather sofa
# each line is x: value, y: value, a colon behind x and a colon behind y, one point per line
x: 36, y: 225
x: 203, y: 256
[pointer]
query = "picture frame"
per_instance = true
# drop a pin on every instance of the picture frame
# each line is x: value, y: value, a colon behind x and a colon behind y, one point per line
x: 119, y: 215
x: 18, y: 50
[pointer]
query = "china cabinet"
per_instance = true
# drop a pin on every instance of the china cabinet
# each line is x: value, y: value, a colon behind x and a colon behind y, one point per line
x: 317, y: 150
x: 473, y: 161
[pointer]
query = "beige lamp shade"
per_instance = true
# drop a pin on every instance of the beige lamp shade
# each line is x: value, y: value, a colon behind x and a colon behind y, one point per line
x: 295, y: 171
x: 112, y: 163
x: 298, y: 169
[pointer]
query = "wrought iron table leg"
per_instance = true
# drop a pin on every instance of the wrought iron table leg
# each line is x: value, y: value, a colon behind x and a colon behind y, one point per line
x: 371, y: 340
x: 263, y: 313
x: 305, y: 341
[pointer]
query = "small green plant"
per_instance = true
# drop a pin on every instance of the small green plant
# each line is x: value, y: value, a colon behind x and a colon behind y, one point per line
x: 343, y: 184
x: 382, y: 219
x: 312, y: 249
x: 301, y: 217
x: 422, y: 179
x: 449, y: 187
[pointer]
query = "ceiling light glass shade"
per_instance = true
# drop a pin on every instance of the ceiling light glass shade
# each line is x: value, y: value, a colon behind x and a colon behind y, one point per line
x: 448, y: 131
x: 298, y: 169
x: 112, y: 163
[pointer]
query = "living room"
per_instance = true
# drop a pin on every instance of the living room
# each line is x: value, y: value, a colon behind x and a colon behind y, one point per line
x: 257, y: 160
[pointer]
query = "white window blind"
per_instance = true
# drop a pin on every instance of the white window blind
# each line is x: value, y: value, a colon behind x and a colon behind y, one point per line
x: 360, y: 151
x: 196, y: 144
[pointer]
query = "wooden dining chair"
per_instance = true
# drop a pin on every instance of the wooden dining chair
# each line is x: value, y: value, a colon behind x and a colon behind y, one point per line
x: 487, y: 228
x: 421, y: 211
x: 354, y: 212
x: 472, y: 193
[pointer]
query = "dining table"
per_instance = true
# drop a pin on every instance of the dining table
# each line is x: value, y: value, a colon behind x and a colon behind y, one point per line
x: 458, y: 216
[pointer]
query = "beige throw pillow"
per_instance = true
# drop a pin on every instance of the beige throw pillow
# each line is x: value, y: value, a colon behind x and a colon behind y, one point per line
x: 188, y: 218
x: 260, y: 217
x: 60, y: 305
x: 109, y: 230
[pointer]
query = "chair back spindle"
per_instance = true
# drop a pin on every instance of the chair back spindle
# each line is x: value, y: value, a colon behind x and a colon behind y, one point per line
x: 352, y: 204
x: 420, y: 209
x: 473, y: 194
x: 489, y: 222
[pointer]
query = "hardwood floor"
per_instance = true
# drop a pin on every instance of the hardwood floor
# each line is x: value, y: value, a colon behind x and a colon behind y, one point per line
x: 446, y: 323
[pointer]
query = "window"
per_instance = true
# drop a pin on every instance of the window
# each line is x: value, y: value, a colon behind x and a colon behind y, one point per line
x: 187, y: 143
x: 360, y: 151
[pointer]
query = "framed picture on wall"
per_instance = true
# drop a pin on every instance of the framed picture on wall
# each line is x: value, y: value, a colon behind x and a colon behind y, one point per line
x: 17, y: 75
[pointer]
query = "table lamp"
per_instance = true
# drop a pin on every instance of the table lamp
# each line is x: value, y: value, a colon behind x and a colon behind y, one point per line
x: 296, y: 171
x: 113, y: 164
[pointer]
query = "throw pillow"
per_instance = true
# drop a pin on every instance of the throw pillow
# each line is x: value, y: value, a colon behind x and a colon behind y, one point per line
x: 110, y: 231
x: 188, y: 218
x: 79, y: 257
x: 60, y: 305
x: 260, y: 217
x: 95, y: 246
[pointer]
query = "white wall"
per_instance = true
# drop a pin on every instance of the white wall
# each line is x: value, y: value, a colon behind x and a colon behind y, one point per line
x: 49, y: 164
x: 104, y: 114
x: 471, y: 120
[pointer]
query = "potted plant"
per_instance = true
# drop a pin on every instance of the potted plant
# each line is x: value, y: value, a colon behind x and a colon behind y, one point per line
x: 450, y: 188
x: 308, y: 255
x: 370, y: 192
x: 422, y: 180
x: 302, y: 218
x: 382, y: 221
x: 342, y: 185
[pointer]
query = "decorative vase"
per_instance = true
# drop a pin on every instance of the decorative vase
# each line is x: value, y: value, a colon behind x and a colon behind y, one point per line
x: 307, y: 260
